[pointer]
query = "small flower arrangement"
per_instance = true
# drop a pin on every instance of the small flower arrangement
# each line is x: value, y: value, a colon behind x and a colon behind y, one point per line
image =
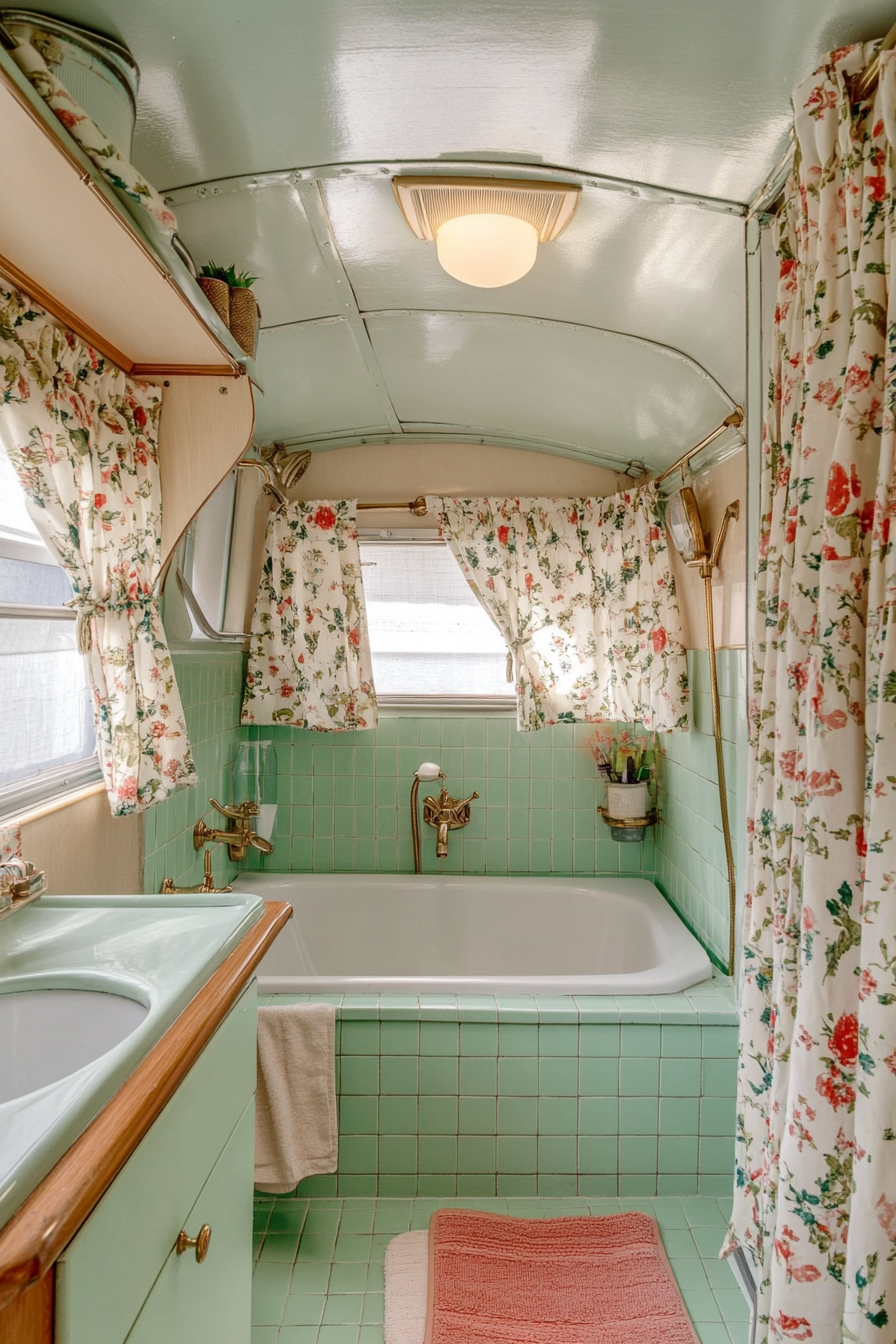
x: 624, y: 755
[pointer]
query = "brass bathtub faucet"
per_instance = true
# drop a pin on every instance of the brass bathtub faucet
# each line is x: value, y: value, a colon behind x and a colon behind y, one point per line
x: 446, y: 814
x: 239, y: 837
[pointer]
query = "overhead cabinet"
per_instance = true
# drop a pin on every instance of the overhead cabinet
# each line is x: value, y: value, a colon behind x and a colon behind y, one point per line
x: 70, y: 243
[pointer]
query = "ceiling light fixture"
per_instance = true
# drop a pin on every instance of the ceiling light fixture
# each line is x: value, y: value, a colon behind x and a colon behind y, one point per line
x: 486, y: 230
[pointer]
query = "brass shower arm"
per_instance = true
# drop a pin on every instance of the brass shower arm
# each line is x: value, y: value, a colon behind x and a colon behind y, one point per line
x: 732, y: 511
x: 732, y: 421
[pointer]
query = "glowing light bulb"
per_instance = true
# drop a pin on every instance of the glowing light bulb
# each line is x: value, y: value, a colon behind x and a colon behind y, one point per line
x: 487, y: 250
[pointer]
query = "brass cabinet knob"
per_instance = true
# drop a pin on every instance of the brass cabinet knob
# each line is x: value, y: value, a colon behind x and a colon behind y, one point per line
x: 201, y: 1242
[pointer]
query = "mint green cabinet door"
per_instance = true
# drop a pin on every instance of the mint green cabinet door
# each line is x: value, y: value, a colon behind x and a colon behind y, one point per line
x: 107, y: 1272
x: 192, y: 1303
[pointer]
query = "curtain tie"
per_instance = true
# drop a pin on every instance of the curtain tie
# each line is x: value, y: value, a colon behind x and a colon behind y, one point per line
x: 87, y: 607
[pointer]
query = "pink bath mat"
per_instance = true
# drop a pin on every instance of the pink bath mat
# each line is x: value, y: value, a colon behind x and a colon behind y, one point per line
x: 495, y: 1279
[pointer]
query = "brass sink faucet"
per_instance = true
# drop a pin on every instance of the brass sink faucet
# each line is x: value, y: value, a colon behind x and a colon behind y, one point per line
x: 446, y: 814
x: 206, y: 885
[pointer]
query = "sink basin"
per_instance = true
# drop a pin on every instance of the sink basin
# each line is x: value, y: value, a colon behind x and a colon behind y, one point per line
x: 47, y: 1033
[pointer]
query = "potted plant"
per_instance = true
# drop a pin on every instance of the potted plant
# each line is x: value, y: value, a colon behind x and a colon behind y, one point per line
x: 245, y: 316
x: 215, y: 284
x: 230, y: 293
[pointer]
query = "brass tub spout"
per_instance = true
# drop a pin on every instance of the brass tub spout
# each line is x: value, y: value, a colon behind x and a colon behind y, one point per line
x: 446, y: 814
x: 239, y: 837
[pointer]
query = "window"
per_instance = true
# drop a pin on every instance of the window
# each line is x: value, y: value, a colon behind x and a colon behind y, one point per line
x: 47, y: 739
x: 431, y: 641
x: 201, y: 599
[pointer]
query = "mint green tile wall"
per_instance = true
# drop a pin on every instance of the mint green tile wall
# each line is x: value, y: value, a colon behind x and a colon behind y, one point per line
x: 210, y: 682
x: 552, y: 1103
x: 344, y: 800
x: 690, y: 853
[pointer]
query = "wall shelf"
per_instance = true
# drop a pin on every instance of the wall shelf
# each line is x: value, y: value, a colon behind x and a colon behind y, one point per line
x: 68, y: 239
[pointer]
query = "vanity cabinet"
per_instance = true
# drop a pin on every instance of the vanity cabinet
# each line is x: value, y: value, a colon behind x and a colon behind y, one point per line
x: 121, y: 1278
x: 91, y: 1254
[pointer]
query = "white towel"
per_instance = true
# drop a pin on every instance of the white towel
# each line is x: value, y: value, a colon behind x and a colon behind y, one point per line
x: 407, y: 1288
x: 296, y: 1131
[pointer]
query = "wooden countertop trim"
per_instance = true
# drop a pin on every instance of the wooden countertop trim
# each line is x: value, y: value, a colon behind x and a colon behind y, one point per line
x: 39, y: 1231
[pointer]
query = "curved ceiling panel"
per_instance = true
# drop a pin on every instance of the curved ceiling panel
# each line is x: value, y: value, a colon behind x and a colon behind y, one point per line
x: 673, y: 274
x: 315, y: 382
x: 612, y: 396
x: 264, y: 231
x: 693, y: 95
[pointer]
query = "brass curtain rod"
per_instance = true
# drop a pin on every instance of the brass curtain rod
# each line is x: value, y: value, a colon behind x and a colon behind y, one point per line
x: 866, y: 82
x: 732, y: 421
x: 415, y: 506
x: 274, y: 487
x: 281, y: 470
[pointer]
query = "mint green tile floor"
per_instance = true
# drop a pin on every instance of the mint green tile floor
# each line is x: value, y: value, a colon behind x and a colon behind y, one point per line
x: 319, y: 1262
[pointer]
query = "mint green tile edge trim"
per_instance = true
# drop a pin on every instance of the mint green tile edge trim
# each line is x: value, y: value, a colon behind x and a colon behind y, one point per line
x: 713, y: 1004
x: 691, y: 927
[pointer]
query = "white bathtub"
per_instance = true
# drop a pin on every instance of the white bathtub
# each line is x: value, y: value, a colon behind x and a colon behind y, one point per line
x: 469, y: 935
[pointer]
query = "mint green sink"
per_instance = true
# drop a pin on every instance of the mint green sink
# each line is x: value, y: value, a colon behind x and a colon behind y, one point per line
x: 48, y: 1032
x: 88, y: 984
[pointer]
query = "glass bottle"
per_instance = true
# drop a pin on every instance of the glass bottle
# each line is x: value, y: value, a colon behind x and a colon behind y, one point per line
x: 255, y: 781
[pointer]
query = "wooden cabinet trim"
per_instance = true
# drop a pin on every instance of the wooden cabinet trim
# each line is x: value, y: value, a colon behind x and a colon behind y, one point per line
x: 39, y: 1231
x: 29, y: 1318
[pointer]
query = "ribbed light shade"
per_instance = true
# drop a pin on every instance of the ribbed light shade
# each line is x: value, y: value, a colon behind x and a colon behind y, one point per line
x: 487, y: 250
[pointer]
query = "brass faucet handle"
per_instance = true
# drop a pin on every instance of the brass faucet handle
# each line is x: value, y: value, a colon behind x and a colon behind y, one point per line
x: 201, y: 834
x: 237, y: 811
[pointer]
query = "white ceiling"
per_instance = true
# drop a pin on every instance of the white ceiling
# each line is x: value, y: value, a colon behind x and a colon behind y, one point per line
x: 277, y: 128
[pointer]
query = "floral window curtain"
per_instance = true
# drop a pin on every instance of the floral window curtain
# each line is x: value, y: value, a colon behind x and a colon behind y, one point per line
x: 309, y: 660
x: 815, y: 1197
x: 82, y: 437
x: 117, y: 170
x: 583, y: 593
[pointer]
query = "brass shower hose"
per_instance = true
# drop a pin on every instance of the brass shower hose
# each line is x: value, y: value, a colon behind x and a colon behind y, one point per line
x: 706, y: 569
x: 720, y: 765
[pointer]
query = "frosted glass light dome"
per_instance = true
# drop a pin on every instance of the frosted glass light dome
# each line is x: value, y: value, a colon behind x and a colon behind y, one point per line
x: 487, y: 250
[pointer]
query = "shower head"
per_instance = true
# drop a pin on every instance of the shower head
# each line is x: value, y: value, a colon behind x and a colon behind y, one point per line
x: 426, y: 771
x: 685, y: 526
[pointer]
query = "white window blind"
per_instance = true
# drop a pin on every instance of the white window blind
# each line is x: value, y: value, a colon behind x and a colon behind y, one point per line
x: 47, y: 738
x: 429, y: 636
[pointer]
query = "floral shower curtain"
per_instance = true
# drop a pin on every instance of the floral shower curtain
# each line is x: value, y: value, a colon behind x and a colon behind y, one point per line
x: 583, y: 593
x: 309, y: 660
x: 82, y: 437
x: 815, y: 1197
